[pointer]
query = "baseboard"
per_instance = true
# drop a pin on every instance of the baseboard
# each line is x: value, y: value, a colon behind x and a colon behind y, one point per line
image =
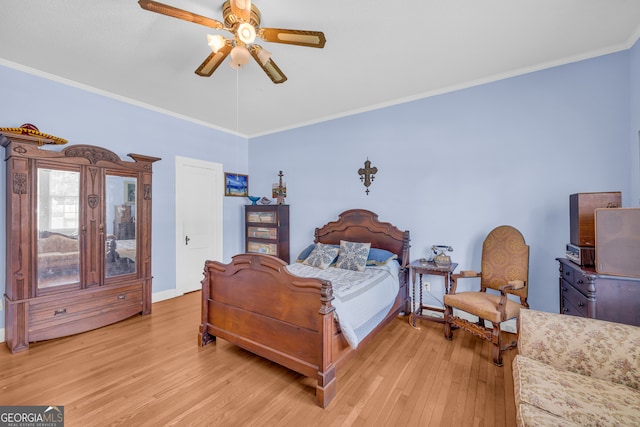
x: 163, y: 295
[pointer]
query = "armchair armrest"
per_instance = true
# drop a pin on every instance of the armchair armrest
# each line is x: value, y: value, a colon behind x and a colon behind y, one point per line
x: 469, y: 273
x: 592, y: 347
x: 512, y: 285
x: 464, y: 274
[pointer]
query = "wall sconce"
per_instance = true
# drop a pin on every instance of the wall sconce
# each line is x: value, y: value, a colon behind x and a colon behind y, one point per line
x: 367, y: 174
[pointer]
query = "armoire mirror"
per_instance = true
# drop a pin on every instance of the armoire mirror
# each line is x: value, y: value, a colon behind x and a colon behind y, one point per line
x: 58, y: 207
x: 120, y: 250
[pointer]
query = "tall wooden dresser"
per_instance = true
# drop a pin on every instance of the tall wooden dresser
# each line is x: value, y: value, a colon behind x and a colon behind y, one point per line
x: 586, y: 293
x: 68, y: 269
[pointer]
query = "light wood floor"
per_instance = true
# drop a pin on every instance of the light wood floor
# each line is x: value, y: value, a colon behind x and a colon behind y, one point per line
x: 150, y: 371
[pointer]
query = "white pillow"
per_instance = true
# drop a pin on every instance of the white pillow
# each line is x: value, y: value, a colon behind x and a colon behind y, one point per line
x: 353, y: 256
x: 322, y: 256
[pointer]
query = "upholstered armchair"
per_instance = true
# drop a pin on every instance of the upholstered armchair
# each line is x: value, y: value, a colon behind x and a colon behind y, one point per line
x: 504, y: 272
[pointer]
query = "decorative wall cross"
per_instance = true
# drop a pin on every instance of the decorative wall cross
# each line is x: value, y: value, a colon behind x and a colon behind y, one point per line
x: 367, y: 174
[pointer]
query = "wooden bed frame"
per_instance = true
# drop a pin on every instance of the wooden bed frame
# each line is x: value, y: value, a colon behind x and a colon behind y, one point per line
x: 255, y: 303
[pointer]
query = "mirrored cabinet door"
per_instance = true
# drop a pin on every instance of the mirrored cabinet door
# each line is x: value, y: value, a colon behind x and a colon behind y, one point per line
x: 58, y: 227
x: 120, y: 204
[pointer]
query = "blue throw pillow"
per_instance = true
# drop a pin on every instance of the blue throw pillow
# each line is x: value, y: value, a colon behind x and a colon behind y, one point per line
x: 305, y: 252
x: 380, y: 256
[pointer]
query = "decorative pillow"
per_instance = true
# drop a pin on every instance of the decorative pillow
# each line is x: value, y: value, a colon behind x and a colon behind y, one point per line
x: 322, y: 256
x: 353, y: 256
x: 305, y: 252
x: 380, y: 256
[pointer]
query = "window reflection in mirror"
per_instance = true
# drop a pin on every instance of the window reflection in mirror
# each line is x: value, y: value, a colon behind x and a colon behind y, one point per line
x: 58, y: 255
x: 120, y: 251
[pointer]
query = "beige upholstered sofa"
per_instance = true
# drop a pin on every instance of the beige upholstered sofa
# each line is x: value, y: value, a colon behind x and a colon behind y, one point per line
x: 574, y: 371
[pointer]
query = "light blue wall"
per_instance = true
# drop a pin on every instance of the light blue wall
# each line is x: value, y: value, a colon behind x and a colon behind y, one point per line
x: 82, y: 117
x: 635, y: 123
x: 453, y: 166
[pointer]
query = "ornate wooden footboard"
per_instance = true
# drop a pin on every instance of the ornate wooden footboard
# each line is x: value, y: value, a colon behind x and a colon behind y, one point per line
x: 255, y: 303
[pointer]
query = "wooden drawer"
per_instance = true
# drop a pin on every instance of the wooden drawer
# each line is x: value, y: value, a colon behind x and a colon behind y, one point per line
x: 573, y: 301
x: 568, y: 274
x: 82, y: 311
x: 575, y: 277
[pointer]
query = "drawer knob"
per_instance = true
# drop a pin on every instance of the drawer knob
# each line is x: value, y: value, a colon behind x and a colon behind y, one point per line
x: 60, y: 311
x: 121, y: 297
x: 580, y: 304
x: 565, y: 310
x: 580, y: 282
x: 564, y: 289
x: 567, y: 274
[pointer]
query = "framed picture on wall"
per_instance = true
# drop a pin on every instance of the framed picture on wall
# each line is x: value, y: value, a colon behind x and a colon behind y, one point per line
x: 129, y: 192
x: 236, y: 184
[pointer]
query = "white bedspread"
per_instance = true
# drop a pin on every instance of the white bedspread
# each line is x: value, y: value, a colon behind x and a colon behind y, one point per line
x: 362, y: 299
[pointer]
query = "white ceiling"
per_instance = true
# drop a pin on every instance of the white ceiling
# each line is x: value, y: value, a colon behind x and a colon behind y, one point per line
x: 377, y: 53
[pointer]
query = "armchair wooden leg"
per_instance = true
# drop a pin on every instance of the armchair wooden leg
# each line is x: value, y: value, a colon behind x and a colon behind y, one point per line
x: 497, y: 345
x: 448, y: 313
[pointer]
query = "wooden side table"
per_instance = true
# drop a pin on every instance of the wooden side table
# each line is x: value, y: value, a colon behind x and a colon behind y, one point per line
x: 427, y: 267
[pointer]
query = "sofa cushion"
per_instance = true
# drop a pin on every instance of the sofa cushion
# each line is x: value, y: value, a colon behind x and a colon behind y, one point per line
x: 571, y: 398
x: 593, y: 347
x: 531, y: 416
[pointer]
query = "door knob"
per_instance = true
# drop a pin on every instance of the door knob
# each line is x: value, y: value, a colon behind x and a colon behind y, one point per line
x: 186, y: 240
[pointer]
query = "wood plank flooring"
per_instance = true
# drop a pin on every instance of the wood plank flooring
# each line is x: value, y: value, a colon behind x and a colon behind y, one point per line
x: 150, y: 371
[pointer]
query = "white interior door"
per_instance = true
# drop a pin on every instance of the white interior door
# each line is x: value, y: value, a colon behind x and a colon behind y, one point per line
x: 199, y: 197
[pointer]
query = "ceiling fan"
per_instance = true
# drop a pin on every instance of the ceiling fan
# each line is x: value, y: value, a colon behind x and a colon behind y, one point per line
x: 242, y: 19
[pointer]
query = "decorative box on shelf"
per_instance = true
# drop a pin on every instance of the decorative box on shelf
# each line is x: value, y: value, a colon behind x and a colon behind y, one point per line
x: 267, y: 230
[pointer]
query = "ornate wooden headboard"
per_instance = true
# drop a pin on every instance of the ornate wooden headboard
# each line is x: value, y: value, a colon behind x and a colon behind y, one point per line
x: 359, y: 225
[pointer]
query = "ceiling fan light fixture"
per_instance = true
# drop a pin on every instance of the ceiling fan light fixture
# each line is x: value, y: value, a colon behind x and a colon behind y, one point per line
x: 246, y: 33
x: 215, y: 42
x: 264, y: 56
x: 239, y: 56
x: 243, y: 4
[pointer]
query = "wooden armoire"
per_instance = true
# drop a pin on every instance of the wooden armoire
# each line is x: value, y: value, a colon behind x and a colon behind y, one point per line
x: 69, y: 269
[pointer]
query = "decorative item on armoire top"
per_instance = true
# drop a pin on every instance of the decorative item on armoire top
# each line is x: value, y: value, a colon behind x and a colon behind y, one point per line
x: 367, y: 174
x: 265, y: 201
x: 279, y: 190
x: 440, y: 259
x: 254, y: 199
x: 236, y: 185
x: 30, y: 130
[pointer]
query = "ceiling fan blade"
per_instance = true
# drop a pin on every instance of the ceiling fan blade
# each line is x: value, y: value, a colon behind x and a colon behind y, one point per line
x: 297, y: 37
x: 266, y: 63
x: 174, y: 12
x: 241, y: 8
x: 213, y: 61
